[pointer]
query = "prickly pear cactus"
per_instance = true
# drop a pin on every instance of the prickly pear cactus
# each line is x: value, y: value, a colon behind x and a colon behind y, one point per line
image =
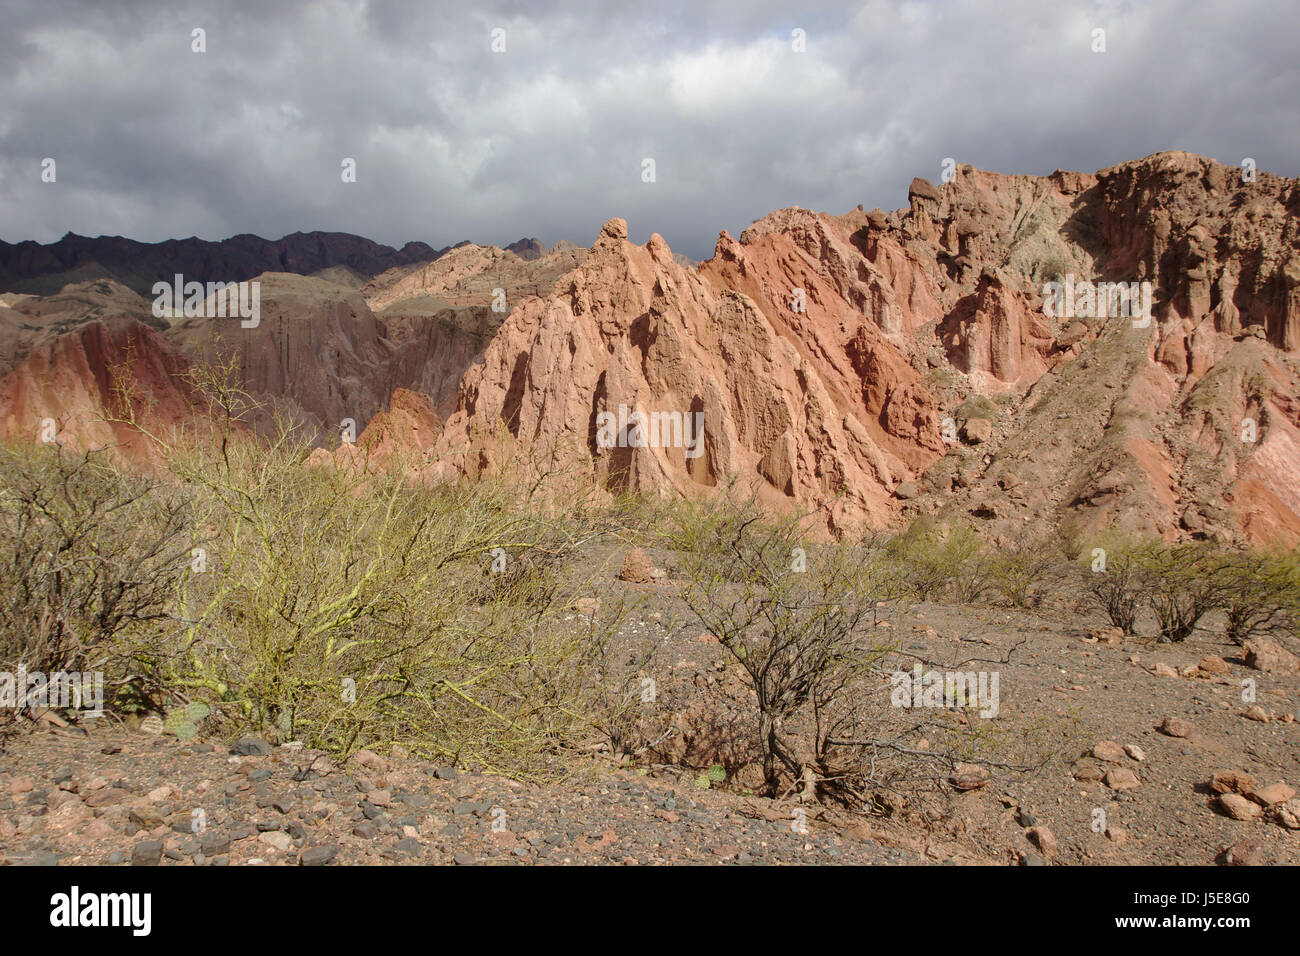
x: 184, y: 721
x: 715, y: 774
x: 178, y: 722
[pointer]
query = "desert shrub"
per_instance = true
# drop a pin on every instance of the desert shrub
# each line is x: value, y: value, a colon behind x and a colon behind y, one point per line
x: 822, y: 677
x: 1052, y: 269
x: 631, y: 515
x: 706, y: 529
x: 698, y: 527
x: 89, y: 561
x: 1261, y: 595
x: 1115, y: 581
x: 877, y: 571
x: 1021, y: 575
x: 349, y: 611
x: 622, y: 694
x: 801, y: 636
x: 938, y: 561
x: 338, y: 606
x: 912, y: 552
x: 1181, y: 583
x: 972, y: 569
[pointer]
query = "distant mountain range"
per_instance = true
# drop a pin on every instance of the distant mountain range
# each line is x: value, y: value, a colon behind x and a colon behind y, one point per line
x: 45, y: 269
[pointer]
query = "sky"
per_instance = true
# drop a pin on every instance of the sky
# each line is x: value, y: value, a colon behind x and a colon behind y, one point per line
x: 744, y: 107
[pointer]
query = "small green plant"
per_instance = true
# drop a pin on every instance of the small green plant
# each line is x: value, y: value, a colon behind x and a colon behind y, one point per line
x: 184, y: 721
x: 714, y: 775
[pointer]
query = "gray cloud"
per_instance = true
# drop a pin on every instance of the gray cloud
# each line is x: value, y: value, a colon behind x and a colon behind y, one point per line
x: 453, y: 141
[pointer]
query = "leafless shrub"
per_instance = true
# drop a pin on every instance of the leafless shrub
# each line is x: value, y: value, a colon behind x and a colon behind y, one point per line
x: 1182, y: 584
x: 1117, y: 587
x: 1261, y: 595
x: 90, y: 561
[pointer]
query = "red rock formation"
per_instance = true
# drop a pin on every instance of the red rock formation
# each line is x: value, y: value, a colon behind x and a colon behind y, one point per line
x: 469, y: 275
x: 1144, y: 427
x: 998, y: 333
x: 400, y: 436
x: 318, y: 353
x: 88, y: 380
x: 840, y: 326
x: 439, y: 316
x: 780, y: 401
x: 906, y: 315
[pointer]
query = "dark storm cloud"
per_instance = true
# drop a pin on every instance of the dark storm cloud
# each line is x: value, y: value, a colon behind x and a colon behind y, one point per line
x: 453, y: 141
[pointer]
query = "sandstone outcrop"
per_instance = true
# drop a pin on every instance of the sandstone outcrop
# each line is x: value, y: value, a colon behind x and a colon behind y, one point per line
x: 317, y: 354
x: 398, y: 437
x: 79, y: 387
x: 1184, y: 427
x: 728, y: 386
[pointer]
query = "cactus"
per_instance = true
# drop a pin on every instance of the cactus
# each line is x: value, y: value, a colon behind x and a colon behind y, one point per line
x: 184, y: 721
x: 715, y: 774
x: 178, y: 722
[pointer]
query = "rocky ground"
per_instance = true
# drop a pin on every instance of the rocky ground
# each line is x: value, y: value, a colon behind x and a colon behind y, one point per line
x: 116, y: 797
x: 1150, y: 756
